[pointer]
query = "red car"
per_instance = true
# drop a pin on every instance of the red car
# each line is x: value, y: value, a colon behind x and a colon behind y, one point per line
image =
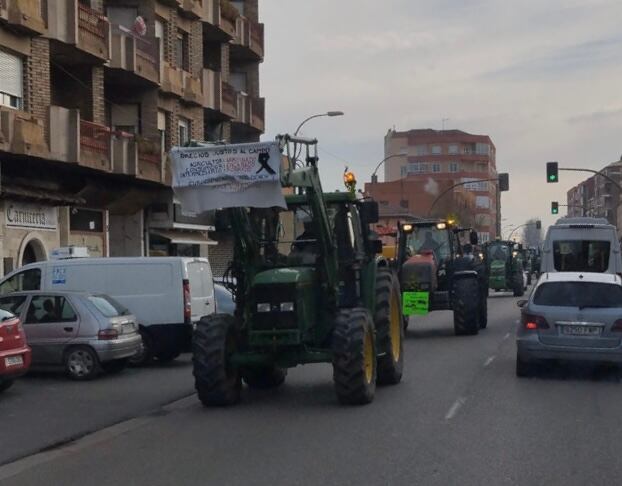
x: 15, y: 355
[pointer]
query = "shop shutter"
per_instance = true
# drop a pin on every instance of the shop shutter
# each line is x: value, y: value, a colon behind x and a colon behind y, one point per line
x: 11, y: 74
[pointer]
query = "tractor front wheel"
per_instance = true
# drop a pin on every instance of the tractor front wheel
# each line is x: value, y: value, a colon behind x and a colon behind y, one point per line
x: 214, y: 340
x: 264, y: 377
x: 466, y: 304
x: 389, y: 328
x: 354, y: 357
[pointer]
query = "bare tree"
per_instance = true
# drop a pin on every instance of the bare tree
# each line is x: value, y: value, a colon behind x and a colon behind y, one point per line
x: 532, y: 236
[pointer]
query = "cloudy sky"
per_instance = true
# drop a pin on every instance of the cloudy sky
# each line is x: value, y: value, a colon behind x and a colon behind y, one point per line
x: 542, y: 77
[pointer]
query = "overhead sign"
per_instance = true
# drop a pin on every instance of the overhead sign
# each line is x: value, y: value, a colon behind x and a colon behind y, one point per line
x: 25, y: 215
x: 225, y: 176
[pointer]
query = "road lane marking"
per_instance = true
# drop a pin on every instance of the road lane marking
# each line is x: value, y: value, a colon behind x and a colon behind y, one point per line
x: 506, y: 336
x: 489, y: 360
x: 454, y: 408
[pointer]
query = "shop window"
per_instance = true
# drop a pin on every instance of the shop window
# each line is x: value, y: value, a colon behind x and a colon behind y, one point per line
x: 86, y: 220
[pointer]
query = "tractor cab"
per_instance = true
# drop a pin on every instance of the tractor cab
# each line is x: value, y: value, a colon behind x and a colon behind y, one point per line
x: 505, y: 266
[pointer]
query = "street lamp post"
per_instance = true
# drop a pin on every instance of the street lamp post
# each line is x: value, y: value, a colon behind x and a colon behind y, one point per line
x: 328, y: 113
x: 374, y: 176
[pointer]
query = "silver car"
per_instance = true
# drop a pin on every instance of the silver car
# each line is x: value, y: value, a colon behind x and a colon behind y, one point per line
x: 570, y: 316
x: 85, y: 333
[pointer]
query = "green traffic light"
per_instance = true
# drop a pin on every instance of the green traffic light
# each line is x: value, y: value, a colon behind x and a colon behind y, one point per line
x: 552, y: 177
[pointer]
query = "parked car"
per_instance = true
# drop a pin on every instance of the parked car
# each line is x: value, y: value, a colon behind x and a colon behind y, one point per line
x: 166, y: 294
x: 84, y: 333
x: 15, y: 355
x: 570, y: 316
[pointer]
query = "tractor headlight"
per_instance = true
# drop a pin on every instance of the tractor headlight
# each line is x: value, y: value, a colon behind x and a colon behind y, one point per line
x: 287, y: 307
x: 265, y: 307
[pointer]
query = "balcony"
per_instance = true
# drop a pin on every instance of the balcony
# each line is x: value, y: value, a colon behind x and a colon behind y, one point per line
x: 23, y: 15
x: 248, y: 44
x: 192, y: 9
x: 135, y: 60
x: 73, y: 24
x: 172, y: 80
x: 228, y: 17
x: 171, y: 3
x: 193, y: 91
x: 150, y: 159
x: 258, y: 114
x: 212, y: 90
x: 228, y: 100
x: 95, y: 146
x: 22, y: 133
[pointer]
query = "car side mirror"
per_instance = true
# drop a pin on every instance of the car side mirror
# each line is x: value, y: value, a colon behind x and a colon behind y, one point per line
x: 521, y: 303
x: 369, y: 212
x: 376, y: 246
x: 473, y: 238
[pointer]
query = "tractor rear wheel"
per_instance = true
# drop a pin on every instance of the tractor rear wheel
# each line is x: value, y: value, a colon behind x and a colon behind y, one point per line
x: 389, y: 328
x: 264, y: 377
x: 213, y: 342
x: 517, y: 285
x: 483, y: 310
x: 354, y: 357
x: 466, y: 304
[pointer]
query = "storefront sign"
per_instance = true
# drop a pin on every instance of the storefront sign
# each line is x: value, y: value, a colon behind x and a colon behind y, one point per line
x: 237, y: 175
x: 24, y: 215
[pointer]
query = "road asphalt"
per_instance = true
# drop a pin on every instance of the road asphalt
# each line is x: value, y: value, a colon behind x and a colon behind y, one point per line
x: 460, y: 416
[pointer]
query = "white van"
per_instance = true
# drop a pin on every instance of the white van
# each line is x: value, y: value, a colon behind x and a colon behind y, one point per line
x: 581, y: 245
x: 166, y: 294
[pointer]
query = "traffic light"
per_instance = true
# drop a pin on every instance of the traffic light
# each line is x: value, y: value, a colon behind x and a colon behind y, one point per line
x: 554, y: 207
x: 552, y: 172
x: 504, y: 182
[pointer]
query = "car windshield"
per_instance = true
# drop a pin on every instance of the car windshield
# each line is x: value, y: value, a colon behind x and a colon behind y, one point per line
x: 581, y: 255
x: 579, y: 294
x: 429, y: 238
x: 108, y: 306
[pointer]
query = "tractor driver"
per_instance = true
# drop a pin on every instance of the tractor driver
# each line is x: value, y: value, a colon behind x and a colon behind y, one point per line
x: 305, y: 247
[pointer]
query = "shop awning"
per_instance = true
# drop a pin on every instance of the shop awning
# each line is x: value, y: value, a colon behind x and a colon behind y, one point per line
x: 55, y: 198
x: 185, y: 237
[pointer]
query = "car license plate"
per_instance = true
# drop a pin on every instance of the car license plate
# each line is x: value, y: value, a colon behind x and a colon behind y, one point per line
x: 13, y: 361
x: 581, y: 330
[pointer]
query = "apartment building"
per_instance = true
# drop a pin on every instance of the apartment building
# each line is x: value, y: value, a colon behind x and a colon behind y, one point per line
x: 598, y: 196
x: 422, y: 164
x: 93, y: 94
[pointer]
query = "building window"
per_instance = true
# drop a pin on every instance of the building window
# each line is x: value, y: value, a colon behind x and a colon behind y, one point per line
x: 482, y: 148
x: 404, y: 203
x: 162, y: 130
x: 436, y: 149
x: 184, y: 131
x: 482, y: 167
x: 421, y: 150
x: 11, y: 80
x: 454, y: 167
x: 182, y: 58
x: 436, y: 167
x: 403, y: 171
x: 454, y: 149
x: 86, y: 220
x: 482, y: 202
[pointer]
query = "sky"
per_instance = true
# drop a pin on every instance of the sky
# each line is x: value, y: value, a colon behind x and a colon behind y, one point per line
x: 541, y: 78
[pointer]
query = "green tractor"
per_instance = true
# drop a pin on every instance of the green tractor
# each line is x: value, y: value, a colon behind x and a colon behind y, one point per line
x: 505, y: 267
x: 437, y: 272
x: 309, y: 288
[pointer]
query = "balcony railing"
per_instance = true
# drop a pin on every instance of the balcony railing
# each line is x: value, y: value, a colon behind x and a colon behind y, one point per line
x: 257, y: 38
x: 150, y: 159
x: 228, y: 17
x: 24, y: 15
x: 136, y: 55
x: 93, y: 31
x: 22, y: 133
x: 258, y: 113
x: 212, y: 90
x: 148, y: 59
x: 172, y: 80
x: 193, y: 91
x: 228, y: 106
x: 192, y: 9
x: 95, y: 145
x: 249, y: 35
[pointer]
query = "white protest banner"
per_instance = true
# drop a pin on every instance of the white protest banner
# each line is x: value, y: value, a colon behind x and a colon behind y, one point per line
x: 225, y: 176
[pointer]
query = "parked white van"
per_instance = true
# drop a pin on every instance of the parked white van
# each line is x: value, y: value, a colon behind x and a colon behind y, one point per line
x: 581, y: 245
x: 166, y: 294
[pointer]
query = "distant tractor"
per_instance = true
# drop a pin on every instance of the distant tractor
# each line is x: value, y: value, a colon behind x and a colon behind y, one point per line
x: 437, y: 273
x: 505, y: 267
x: 309, y: 288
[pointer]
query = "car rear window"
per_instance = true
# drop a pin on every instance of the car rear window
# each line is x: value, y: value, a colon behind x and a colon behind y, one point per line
x: 108, y: 306
x: 578, y: 294
x: 581, y: 255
